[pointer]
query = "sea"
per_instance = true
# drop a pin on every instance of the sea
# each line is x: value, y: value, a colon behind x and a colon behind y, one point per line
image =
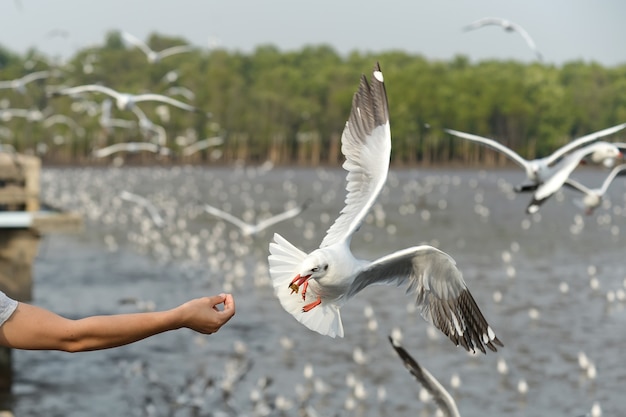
x: 551, y: 285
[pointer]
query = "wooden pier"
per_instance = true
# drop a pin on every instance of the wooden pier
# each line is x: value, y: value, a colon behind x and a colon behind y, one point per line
x: 22, y: 223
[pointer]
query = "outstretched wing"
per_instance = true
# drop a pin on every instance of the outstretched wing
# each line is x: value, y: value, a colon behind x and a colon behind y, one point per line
x: 485, y: 21
x: 145, y: 203
x: 442, y: 296
x: 202, y: 144
x: 576, y: 186
x: 583, y: 140
x: 490, y: 143
x: 89, y: 88
x: 441, y: 396
x: 366, y: 144
x: 137, y: 42
x: 175, y: 50
x: 286, y: 215
x: 245, y: 227
x: 618, y: 171
x: 165, y: 99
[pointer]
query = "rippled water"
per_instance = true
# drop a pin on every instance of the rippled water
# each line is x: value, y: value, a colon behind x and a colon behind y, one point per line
x: 514, y: 265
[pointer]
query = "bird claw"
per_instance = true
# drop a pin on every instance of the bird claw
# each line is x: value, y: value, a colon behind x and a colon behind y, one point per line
x: 312, y: 305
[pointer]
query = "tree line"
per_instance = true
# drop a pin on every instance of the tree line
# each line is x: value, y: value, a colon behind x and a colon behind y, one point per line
x: 290, y: 107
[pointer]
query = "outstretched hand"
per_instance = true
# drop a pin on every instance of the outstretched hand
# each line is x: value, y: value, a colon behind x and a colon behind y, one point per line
x: 203, y: 315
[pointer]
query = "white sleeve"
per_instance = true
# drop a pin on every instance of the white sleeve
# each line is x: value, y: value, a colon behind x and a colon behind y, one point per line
x: 7, y: 307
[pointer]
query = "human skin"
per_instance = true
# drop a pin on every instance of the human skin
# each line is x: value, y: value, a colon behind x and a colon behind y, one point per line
x: 34, y: 328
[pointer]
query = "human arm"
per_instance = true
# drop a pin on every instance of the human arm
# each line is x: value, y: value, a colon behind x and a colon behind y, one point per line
x: 32, y: 327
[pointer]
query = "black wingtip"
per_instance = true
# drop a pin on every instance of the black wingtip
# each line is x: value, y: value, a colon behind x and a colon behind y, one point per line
x: 370, y: 108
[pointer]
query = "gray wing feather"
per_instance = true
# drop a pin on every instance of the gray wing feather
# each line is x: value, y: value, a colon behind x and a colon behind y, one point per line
x: 366, y: 144
x: 442, y: 296
x: 441, y: 396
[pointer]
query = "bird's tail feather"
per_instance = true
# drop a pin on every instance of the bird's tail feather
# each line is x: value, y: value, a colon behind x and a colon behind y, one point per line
x: 283, y: 262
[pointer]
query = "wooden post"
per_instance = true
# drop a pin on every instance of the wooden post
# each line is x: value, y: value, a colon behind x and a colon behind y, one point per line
x: 19, y: 191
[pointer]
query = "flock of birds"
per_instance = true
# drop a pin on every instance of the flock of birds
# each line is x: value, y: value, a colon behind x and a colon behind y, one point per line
x: 313, y: 287
x: 153, y: 133
x: 85, y: 97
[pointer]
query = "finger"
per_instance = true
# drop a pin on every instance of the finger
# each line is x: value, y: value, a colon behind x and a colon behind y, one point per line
x: 216, y: 299
x: 229, y: 302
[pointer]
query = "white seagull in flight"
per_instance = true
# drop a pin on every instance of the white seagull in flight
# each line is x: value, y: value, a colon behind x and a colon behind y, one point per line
x: 540, y: 169
x: 153, y: 56
x: 509, y: 27
x: 153, y: 211
x: 202, y: 144
x: 442, y: 397
x: 252, y: 229
x: 602, y: 150
x: 331, y: 275
x: 124, y: 101
x: 131, y: 147
x: 593, y: 196
x: 19, y: 84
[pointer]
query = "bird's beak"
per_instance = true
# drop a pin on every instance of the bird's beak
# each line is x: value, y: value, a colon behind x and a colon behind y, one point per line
x: 297, y: 281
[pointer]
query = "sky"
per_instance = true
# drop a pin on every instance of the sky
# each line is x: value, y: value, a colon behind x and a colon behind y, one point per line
x: 563, y: 30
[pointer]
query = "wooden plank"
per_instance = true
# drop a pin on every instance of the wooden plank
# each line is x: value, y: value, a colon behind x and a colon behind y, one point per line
x: 20, y: 177
x: 46, y: 222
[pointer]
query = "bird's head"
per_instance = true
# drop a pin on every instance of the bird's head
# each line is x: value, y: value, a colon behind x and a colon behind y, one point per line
x: 314, y: 266
x: 533, y: 171
x: 605, y: 153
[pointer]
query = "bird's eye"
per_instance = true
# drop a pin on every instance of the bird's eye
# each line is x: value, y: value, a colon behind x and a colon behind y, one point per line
x: 315, y: 269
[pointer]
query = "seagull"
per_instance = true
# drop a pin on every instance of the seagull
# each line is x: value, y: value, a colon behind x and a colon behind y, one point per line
x: 31, y: 115
x: 540, y: 169
x: 331, y: 275
x: 142, y: 201
x: 593, y: 196
x: 148, y: 127
x: 65, y: 120
x: 253, y: 229
x: 19, y: 84
x: 203, y: 144
x: 154, y: 57
x: 107, y: 122
x: 563, y: 170
x: 124, y: 101
x: 130, y: 147
x: 183, y: 91
x: 508, y: 26
x: 442, y: 397
x: 599, y: 157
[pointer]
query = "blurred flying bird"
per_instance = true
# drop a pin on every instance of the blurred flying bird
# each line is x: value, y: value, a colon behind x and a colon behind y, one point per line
x: 107, y: 122
x: 540, y: 169
x: 564, y: 168
x: 131, y: 147
x: 145, y: 203
x: 202, y: 144
x: 19, y: 84
x: 153, y: 56
x: 124, y: 101
x: 508, y: 26
x: 593, y: 196
x: 253, y: 229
